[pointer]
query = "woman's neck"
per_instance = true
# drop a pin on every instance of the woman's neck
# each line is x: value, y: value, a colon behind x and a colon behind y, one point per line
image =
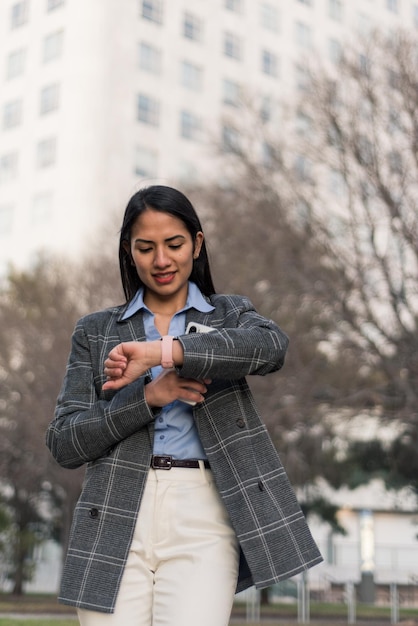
x: 165, y: 307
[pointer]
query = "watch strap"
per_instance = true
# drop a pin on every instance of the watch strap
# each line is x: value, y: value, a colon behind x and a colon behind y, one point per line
x: 167, y: 361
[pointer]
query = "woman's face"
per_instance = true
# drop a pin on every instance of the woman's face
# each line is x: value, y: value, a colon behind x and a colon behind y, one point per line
x: 162, y: 251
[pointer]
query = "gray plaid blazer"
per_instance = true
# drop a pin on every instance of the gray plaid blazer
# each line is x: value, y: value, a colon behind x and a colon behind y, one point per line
x: 113, y: 433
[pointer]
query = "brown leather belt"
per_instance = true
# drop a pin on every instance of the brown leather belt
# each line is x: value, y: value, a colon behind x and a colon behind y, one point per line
x: 167, y: 462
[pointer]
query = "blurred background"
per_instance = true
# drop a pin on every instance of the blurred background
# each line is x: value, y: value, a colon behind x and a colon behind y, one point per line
x: 293, y: 127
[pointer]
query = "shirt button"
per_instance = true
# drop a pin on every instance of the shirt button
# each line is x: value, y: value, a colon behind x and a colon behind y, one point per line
x: 94, y: 513
x: 160, y: 419
x: 240, y: 422
x: 162, y: 437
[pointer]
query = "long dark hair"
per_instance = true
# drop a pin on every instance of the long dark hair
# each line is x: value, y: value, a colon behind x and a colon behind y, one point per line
x: 166, y: 200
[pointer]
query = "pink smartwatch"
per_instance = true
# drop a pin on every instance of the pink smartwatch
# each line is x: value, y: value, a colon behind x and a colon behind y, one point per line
x: 167, y: 352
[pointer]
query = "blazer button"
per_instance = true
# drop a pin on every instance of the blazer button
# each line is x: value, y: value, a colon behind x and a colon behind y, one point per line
x: 94, y: 513
x: 240, y: 422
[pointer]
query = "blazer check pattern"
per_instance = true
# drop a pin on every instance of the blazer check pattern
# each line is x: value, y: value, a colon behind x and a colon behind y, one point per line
x: 113, y: 433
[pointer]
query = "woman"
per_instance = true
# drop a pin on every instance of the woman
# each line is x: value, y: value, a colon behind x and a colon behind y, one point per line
x: 185, y: 500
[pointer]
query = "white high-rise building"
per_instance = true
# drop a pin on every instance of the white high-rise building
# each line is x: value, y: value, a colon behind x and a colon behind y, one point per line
x: 99, y: 97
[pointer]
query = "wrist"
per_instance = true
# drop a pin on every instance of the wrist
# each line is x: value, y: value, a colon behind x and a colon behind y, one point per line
x: 167, y: 361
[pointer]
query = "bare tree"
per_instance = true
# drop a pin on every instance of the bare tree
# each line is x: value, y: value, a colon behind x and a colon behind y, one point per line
x: 363, y: 145
x: 38, y: 311
x: 36, y: 315
x: 316, y: 218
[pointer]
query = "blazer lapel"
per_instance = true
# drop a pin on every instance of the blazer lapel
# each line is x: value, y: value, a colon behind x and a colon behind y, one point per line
x: 132, y: 329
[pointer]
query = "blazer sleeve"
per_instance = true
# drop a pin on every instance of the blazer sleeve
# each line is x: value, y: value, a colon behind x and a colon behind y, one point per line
x: 88, y: 422
x: 244, y: 343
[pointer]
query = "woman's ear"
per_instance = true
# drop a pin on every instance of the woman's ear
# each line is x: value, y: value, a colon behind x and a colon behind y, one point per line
x: 198, y: 244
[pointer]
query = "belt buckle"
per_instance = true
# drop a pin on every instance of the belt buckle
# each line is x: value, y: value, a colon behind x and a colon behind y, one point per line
x: 164, y: 462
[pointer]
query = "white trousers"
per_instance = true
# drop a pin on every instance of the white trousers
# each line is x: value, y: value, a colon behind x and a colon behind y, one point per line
x: 182, y: 567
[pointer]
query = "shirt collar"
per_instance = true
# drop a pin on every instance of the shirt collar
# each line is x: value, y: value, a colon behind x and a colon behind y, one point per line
x: 195, y: 300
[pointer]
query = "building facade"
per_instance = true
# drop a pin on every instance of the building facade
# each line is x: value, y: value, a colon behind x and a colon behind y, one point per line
x: 99, y: 98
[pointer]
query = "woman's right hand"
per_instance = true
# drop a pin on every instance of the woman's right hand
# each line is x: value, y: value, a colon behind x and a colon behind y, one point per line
x: 168, y: 386
x: 130, y: 360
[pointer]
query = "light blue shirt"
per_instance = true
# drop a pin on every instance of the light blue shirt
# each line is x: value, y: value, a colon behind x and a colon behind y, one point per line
x: 175, y: 430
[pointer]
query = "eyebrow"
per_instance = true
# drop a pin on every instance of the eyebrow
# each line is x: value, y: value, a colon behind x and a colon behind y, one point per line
x: 139, y: 240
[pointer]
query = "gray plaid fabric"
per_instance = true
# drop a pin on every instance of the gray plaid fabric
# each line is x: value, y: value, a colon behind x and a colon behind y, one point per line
x: 113, y: 433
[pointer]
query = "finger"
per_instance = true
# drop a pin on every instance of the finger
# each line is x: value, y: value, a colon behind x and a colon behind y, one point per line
x: 112, y: 385
x: 120, y: 367
x: 194, y: 393
x: 116, y: 360
x: 115, y: 382
x: 192, y: 398
x: 112, y: 366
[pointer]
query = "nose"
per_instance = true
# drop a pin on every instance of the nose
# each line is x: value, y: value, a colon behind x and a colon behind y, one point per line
x: 161, y: 258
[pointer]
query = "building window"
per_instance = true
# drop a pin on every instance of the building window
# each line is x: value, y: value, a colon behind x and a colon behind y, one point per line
x: 6, y: 220
x: 148, y: 110
x: 191, y: 76
x: 335, y: 50
x: 269, y: 63
x: 149, y: 58
x: 392, y: 5
x: 394, y: 121
x: 46, y: 152
x: 230, y: 139
x: 146, y: 162
x: 152, y: 10
x: 187, y: 172
x: 231, y: 92
x: 49, y: 100
x: 266, y: 109
x: 190, y: 126
x: 364, y: 23
x: 41, y: 210
x: 54, y: 4
x: 303, y: 123
x: 234, y: 5
x: 303, y: 35
x: 302, y: 77
x: 336, y: 183
x: 364, y: 64
x: 395, y: 162
x: 335, y: 10
x: 12, y: 114
x: 19, y: 13
x: 232, y: 46
x: 52, y: 46
x: 15, y: 64
x: 269, y: 16
x: 302, y: 168
x: 8, y: 167
x: 394, y: 79
x: 268, y: 155
x: 192, y: 26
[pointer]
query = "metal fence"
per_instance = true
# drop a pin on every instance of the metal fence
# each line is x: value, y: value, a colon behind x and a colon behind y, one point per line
x: 396, y: 595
